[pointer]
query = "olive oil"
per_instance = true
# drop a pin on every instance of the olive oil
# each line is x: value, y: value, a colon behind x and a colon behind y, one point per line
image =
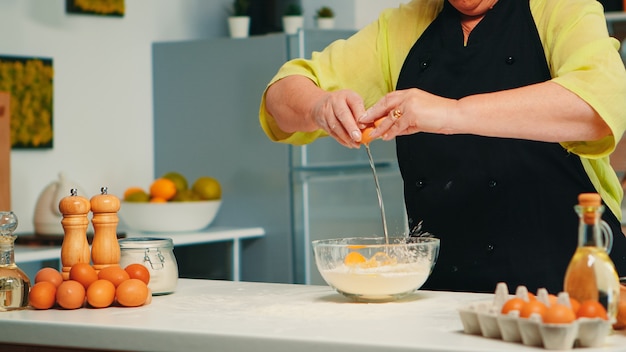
x: 591, y: 274
x: 14, y: 283
x: 14, y: 288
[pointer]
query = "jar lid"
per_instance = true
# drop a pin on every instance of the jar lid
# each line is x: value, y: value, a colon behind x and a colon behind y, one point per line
x: 146, y: 242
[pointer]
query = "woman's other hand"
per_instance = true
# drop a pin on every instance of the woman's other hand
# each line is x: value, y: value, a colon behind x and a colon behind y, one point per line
x: 409, y: 111
x: 297, y: 104
x: 337, y: 113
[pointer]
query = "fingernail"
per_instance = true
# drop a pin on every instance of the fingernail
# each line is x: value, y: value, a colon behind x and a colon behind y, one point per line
x: 356, y: 135
x: 363, y: 116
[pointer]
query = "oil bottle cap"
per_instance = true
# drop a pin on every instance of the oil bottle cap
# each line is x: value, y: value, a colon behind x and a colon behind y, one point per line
x: 589, y: 199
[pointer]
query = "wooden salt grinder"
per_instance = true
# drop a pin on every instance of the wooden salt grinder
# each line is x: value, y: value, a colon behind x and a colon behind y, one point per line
x: 75, y: 248
x: 105, y: 249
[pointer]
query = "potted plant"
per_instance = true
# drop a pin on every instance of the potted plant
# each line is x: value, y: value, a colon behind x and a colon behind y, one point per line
x: 239, y: 20
x: 293, y: 19
x: 325, y: 18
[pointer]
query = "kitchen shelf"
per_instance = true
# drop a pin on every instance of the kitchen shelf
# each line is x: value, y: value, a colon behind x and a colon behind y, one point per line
x: 30, y: 253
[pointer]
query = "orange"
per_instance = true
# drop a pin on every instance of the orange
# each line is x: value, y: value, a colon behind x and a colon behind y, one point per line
x: 354, y: 258
x: 591, y: 309
x: 559, y: 314
x: 158, y: 200
x: 138, y: 271
x: 163, y: 188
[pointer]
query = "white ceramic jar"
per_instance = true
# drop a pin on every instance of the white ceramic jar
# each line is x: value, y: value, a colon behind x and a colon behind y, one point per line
x: 156, y: 254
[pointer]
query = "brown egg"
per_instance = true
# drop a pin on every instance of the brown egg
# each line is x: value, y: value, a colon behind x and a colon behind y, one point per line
x: 559, y: 314
x: 42, y: 295
x: 51, y: 275
x: 138, y: 271
x: 70, y: 294
x: 132, y: 293
x: 113, y: 273
x: 83, y: 273
x: 101, y: 294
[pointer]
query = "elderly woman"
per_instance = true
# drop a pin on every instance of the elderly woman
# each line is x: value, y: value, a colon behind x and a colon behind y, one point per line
x: 503, y: 112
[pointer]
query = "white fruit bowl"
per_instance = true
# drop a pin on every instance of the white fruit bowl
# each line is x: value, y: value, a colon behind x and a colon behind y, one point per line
x: 170, y: 216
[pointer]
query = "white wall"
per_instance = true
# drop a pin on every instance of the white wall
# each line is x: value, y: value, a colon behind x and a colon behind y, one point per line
x: 103, y: 114
x: 349, y: 14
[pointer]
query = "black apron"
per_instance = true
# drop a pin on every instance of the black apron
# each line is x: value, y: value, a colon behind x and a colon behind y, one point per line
x: 503, y: 208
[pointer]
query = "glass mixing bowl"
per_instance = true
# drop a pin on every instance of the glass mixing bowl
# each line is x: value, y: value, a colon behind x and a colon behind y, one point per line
x: 369, y: 269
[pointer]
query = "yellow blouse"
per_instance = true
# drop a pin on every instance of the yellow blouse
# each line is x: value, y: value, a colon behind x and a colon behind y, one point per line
x: 580, y: 54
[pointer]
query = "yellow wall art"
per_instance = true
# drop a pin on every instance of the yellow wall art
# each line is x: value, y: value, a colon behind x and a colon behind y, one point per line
x: 96, y: 7
x: 30, y: 83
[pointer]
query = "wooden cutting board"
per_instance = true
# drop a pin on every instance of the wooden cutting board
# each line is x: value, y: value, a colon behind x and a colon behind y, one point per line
x: 5, y: 152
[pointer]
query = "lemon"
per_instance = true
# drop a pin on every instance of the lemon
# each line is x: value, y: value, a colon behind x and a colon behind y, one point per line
x: 208, y: 188
x: 137, y: 197
x: 186, y: 196
x: 179, y: 180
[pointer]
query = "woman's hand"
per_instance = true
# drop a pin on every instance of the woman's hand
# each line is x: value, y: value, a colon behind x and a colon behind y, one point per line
x: 409, y: 111
x: 337, y: 113
x: 297, y: 104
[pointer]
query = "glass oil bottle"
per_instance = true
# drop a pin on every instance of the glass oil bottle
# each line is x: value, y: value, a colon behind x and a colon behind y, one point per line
x: 14, y: 283
x: 591, y: 274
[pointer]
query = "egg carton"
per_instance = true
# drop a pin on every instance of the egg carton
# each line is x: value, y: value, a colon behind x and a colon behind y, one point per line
x: 485, y: 318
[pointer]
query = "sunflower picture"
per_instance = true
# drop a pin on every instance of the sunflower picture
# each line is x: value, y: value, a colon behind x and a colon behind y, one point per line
x: 29, y: 81
x: 96, y: 7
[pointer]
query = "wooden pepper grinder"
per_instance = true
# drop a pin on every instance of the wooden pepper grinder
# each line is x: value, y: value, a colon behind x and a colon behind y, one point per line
x: 105, y: 249
x: 75, y: 248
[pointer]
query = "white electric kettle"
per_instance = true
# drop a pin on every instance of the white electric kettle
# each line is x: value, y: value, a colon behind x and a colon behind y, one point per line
x: 47, y: 215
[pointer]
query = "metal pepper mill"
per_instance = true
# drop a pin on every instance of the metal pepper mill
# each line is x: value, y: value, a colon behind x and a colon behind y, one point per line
x: 105, y: 249
x: 75, y: 247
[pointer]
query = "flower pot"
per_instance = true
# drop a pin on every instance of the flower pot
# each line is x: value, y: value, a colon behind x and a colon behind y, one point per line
x: 327, y: 22
x: 291, y: 24
x: 239, y: 26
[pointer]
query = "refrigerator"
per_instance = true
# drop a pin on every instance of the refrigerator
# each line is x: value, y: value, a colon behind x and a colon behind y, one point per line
x: 332, y: 187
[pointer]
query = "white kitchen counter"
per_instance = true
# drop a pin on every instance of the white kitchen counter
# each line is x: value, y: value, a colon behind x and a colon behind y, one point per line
x: 204, y: 315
